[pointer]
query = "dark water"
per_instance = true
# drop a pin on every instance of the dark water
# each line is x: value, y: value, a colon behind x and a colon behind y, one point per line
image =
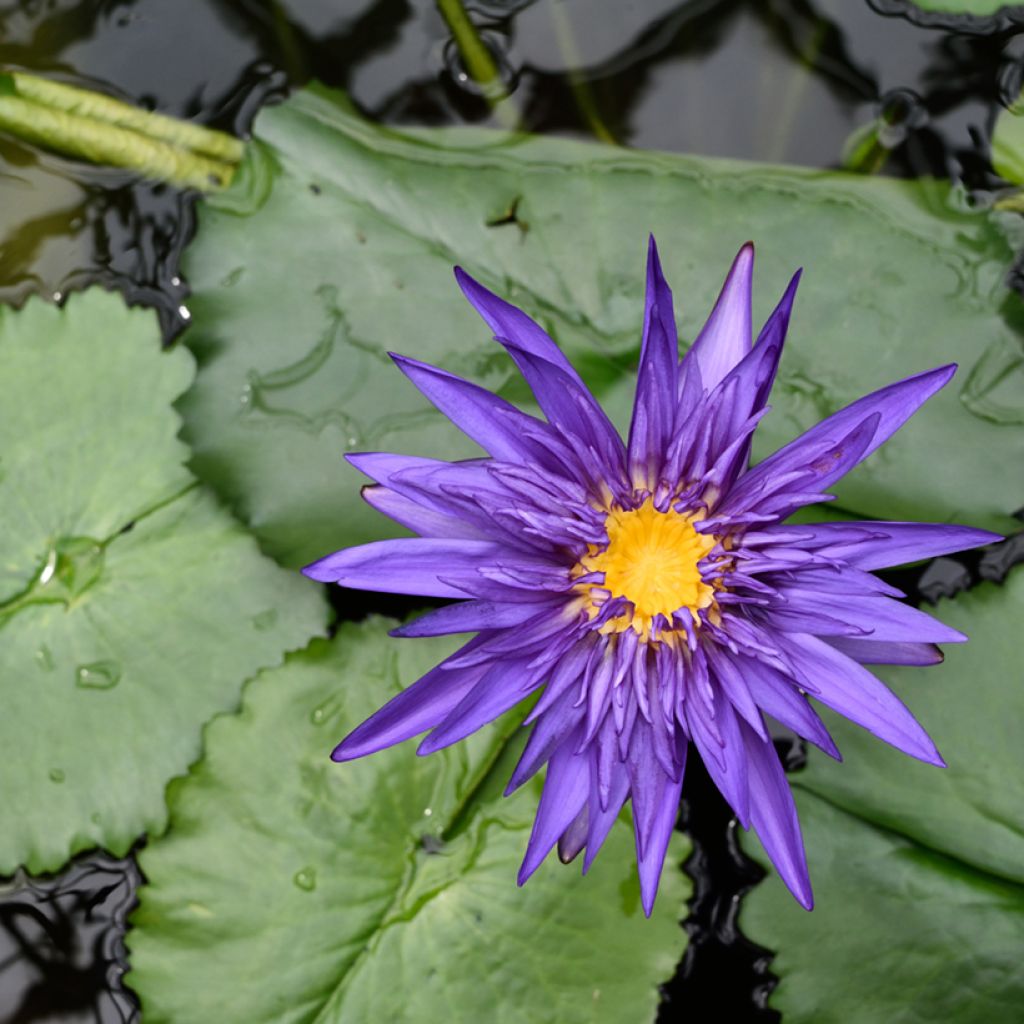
x: 776, y: 80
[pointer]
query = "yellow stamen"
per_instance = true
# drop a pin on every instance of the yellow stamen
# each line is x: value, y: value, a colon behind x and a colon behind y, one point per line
x: 651, y: 560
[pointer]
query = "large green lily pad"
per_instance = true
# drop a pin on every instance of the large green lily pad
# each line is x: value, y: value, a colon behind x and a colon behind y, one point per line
x: 336, y: 244
x: 292, y: 889
x: 134, y: 606
x: 918, y: 872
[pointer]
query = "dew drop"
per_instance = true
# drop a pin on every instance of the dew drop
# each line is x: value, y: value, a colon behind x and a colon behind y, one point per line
x: 56, y: 775
x: 44, y: 658
x: 49, y: 569
x: 184, y: 313
x: 265, y: 619
x: 98, y: 675
x: 305, y: 879
x: 427, y: 812
x: 318, y: 717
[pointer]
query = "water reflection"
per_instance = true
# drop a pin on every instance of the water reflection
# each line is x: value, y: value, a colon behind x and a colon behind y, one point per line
x: 61, y: 950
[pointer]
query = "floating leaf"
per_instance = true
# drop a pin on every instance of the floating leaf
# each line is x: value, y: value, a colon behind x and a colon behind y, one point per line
x: 289, y: 888
x: 976, y: 15
x: 343, y: 250
x: 918, y: 872
x: 133, y: 606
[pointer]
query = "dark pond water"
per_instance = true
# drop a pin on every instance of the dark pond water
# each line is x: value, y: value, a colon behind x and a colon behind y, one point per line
x: 777, y: 80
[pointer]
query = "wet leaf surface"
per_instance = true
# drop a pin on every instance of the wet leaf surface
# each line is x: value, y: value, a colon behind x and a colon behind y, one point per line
x: 918, y: 872
x: 135, y: 606
x: 365, y: 224
x: 293, y: 889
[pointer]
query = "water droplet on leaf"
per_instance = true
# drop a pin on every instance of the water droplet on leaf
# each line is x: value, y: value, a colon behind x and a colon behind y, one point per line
x: 98, y: 675
x: 44, y: 658
x: 265, y: 619
x: 305, y: 879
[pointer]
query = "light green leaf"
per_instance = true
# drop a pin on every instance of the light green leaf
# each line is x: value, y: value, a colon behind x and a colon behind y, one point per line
x: 900, y: 934
x: 134, y: 606
x: 918, y: 872
x: 1008, y: 144
x: 293, y: 889
x: 968, y: 8
x: 341, y: 249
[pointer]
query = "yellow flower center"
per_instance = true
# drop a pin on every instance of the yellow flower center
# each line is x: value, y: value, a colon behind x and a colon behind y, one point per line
x: 651, y: 560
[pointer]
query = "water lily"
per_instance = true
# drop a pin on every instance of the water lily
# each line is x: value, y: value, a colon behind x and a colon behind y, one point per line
x: 650, y: 590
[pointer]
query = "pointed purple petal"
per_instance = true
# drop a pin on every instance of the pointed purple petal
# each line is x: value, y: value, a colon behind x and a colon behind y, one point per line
x: 427, y: 522
x: 654, y: 407
x: 846, y: 687
x: 565, y: 791
x: 774, y: 816
x: 875, y: 652
x: 411, y: 565
x: 891, y: 407
x: 726, y: 337
x: 872, y: 545
x: 496, y: 425
x: 507, y: 321
x: 417, y: 708
x: 723, y: 755
x: 469, y: 617
x: 655, y: 809
x: 779, y: 697
x: 503, y: 686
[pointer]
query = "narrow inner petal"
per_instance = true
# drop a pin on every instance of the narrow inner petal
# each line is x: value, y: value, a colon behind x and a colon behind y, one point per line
x: 652, y: 560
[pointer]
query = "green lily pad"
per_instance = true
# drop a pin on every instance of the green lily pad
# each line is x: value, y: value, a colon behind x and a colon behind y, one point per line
x: 975, y: 16
x: 336, y: 245
x: 918, y: 872
x: 973, y: 8
x: 291, y: 889
x: 134, y: 607
x: 1008, y: 144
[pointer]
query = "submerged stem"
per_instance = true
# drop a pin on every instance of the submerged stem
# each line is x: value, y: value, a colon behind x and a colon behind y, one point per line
x: 479, y: 62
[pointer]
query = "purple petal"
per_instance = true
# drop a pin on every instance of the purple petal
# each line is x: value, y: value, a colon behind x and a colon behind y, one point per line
x: 846, y: 687
x: 565, y: 791
x: 570, y: 407
x: 417, y: 708
x: 547, y: 734
x: 507, y: 321
x: 496, y: 425
x: 721, y: 749
x: 427, y: 522
x: 889, y: 408
x: 503, y: 686
x: 782, y: 489
x: 872, y: 545
x: 604, y: 814
x: 779, y: 697
x: 469, y: 617
x: 876, y: 617
x: 411, y: 565
x: 655, y: 809
x: 654, y: 407
x: 774, y: 816
x: 726, y: 336
x: 875, y: 652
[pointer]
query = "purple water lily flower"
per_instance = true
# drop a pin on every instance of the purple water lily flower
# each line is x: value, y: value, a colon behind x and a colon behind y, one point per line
x: 650, y: 590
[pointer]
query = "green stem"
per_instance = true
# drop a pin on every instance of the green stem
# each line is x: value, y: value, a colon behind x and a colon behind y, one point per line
x: 85, y: 103
x: 102, y: 130
x: 577, y: 83
x: 479, y: 62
